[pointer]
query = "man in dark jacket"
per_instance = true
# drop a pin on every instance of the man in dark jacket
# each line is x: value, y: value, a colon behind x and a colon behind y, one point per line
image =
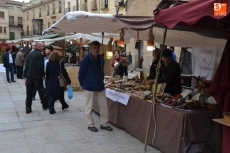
x: 170, y: 74
x: 122, y: 69
x: 7, y: 60
x: 34, y: 73
x: 91, y: 78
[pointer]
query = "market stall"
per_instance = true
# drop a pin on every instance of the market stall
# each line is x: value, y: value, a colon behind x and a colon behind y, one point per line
x: 177, y: 130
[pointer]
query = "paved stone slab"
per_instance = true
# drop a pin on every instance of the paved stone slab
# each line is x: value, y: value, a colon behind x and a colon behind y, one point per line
x: 17, y: 150
x: 49, y: 148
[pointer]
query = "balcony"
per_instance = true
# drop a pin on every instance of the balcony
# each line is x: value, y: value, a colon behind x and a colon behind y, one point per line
x: 93, y: 5
x: 84, y: 7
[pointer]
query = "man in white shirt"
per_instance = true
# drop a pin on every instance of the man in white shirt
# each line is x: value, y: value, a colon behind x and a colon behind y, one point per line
x: 8, y: 64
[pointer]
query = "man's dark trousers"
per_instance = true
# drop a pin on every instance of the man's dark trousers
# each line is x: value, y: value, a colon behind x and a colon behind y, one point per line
x: 30, y: 85
x: 10, y: 69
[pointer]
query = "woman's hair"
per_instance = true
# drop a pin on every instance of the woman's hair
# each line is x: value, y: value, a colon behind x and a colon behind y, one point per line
x: 54, y: 57
x: 49, y: 47
x: 116, y: 51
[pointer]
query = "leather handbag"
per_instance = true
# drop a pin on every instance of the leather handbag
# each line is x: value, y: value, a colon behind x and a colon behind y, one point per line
x: 62, y: 81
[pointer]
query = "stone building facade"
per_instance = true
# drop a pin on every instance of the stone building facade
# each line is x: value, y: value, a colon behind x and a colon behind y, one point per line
x: 38, y: 15
x: 4, y: 21
x: 15, y: 19
x: 94, y: 6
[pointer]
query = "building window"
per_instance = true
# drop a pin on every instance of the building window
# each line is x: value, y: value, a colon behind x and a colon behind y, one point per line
x: 4, y: 29
x: 48, y: 10
x: 0, y: 29
x: 11, y: 20
x: 39, y: 12
x: 48, y: 24
x: 68, y: 6
x: 27, y: 16
x: 20, y: 21
x: 54, y: 22
x: 19, y: 8
x: 10, y: 7
x: 60, y: 7
x: 27, y: 30
x: 53, y: 8
x: 2, y: 15
x: 33, y: 14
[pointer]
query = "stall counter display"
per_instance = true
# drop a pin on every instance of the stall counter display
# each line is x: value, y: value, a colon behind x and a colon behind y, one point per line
x: 73, y: 74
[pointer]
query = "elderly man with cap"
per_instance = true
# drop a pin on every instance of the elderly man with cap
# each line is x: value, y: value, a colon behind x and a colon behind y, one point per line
x: 169, y: 73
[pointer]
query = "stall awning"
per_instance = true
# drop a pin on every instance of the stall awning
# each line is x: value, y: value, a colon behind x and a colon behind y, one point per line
x: 77, y: 37
x: 85, y: 22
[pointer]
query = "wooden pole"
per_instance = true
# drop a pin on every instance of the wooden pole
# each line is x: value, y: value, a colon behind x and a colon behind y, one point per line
x: 81, y: 50
x: 155, y: 90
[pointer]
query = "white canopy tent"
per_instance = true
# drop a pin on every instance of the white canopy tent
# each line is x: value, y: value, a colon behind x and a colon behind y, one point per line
x: 85, y: 22
x: 77, y: 37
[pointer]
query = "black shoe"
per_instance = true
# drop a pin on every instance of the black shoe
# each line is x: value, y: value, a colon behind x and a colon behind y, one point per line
x: 28, y: 110
x: 52, y: 112
x: 8, y: 81
x: 45, y: 107
x: 65, y: 106
x: 33, y: 98
x: 108, y: 128
x: 13, y: 81
x: 93, y: 129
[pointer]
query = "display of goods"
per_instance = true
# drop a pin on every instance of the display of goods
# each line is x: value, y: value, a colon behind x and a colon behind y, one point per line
x: 227, y: 117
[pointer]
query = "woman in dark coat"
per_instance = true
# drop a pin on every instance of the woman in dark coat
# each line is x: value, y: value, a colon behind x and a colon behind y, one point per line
x: 53, y: 89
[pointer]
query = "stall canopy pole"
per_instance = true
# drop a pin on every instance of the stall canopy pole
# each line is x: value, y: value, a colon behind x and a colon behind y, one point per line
x: 81, y: 50
x: 152, y: 110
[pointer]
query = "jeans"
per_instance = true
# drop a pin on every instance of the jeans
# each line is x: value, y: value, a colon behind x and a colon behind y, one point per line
x: 10, y: 70
x: 52, y: 100
x: 30, y: 85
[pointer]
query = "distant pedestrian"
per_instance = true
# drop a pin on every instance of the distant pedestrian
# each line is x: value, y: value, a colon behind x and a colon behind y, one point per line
x: 91, y: 76
x: 7, y: 60
x: 19, y: 62
x: 34, y: 73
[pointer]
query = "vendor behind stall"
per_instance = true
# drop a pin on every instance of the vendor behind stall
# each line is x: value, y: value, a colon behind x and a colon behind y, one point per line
x: 169, y: 73
x: 122, y: 69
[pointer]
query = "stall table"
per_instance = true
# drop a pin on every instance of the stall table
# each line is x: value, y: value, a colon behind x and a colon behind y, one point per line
x: 73, y: 74
x: 176, y: 130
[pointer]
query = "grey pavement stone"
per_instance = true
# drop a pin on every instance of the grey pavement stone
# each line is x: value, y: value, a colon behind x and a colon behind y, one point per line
x: 59, y: 122
x: 6, y: 105
x: 17, y: 150
x: 12, y: 134
x: 9, y: 118
x: 72, y: 135
x: 34, y: 124
x: 7, y: 110
x: 10, y: 126
x: 49, y: 148
x: 79, y: 145
x: 64, y: 128
x: 42, y: 139
x: 38, y: 131
x: 13, y: 143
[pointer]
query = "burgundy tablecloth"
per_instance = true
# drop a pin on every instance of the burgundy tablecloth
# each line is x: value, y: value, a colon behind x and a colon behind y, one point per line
x: 174, y: 127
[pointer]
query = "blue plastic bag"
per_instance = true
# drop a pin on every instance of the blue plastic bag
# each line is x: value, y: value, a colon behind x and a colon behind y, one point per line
x: 70, y: 92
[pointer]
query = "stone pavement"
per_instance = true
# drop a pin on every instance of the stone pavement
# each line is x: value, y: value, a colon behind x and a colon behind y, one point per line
x: 63, y: 132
